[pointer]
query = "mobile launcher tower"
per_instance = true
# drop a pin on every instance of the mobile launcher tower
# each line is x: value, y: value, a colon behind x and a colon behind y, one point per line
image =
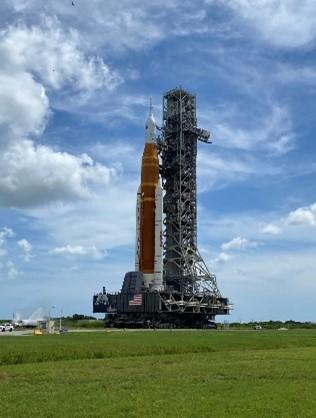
x: 171, y: 285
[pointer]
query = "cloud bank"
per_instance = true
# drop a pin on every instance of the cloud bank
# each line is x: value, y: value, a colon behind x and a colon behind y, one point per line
x: 282, y: 23
x: 34, y: 60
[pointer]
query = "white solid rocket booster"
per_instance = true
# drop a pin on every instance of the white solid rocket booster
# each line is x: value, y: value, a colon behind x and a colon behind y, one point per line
x: 137, y: 244
x: 158, y: 284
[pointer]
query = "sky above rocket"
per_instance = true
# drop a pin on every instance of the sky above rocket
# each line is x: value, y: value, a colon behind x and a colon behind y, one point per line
x: 75, y: 83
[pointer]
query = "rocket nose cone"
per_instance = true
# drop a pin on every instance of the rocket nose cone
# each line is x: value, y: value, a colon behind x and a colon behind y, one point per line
x: 150, y: 127
x: 150, y: 121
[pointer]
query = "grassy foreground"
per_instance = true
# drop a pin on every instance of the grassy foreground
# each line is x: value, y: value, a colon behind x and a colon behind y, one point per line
x: 159, y: 374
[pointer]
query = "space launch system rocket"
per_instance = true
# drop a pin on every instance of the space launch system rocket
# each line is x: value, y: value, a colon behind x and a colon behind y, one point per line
x: 149, y: 253
x: 171, y: 285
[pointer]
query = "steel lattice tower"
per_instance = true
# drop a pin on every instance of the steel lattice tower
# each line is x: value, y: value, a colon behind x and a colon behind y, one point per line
x: 184, y: 268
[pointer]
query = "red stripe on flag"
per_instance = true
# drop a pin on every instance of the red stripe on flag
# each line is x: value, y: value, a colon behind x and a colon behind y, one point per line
x: 137, y: 300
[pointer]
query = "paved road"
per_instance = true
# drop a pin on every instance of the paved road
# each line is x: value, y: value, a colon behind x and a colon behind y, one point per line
x: 18, y: 333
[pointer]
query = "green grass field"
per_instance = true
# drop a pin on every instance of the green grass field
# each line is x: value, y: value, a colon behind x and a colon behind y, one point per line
x: 159, y: 374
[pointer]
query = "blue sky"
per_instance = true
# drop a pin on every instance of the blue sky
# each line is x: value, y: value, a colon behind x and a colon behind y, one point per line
x: 75, y: 83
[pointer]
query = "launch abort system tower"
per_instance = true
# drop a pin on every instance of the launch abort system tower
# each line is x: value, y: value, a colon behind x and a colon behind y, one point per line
x: 186, y: 295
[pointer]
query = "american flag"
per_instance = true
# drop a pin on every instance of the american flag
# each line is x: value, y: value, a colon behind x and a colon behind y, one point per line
x: 137, y: 300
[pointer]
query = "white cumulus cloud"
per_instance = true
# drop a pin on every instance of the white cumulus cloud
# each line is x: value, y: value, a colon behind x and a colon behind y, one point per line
x: 10, y: 269
x: 34, y: 60
x: 78, y: 250
x: 283, y: 23
x: 302, y: 216
x: 220, y: 260
x: 26, y: 248
x: 54, y: 55
x: 238, y: 243
x: 24, y: 106
x: 31, y: 175
x: 270, y: 229
x: 5, y: 233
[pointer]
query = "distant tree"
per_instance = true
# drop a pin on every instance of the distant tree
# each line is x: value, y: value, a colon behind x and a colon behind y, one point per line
x: 78, y: 317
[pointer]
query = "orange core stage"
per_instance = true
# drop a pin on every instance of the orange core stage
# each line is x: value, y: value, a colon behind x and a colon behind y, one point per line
x: 149, y: 182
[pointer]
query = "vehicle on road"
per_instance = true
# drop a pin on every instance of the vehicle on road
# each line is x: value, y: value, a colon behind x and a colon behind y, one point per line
x: 6, y: 327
